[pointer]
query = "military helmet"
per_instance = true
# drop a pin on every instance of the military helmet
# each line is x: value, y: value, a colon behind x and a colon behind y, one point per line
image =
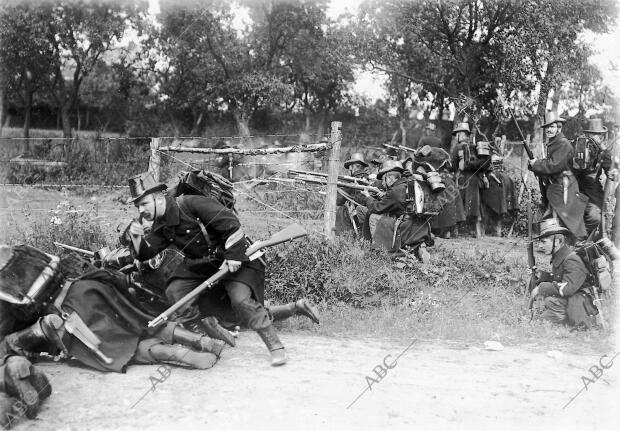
x: 144, y: 184
x: 431, y: 126
x: 461, y: 127
x: 550, y: 226
x: 356, y: 158
x: 595, y: 125
x: 550, y: 118
x: 390, y: 166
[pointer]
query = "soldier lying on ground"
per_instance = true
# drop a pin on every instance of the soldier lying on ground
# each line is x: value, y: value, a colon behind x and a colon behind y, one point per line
x: 92, y: 318
x: 566, y: 290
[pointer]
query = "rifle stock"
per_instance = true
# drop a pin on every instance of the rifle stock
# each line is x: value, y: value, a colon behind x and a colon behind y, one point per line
x: 312, y: 180
x: 287, y: 234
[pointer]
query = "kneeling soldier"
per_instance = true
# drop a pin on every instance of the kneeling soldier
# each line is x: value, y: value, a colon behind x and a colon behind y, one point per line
x: 566, y: 289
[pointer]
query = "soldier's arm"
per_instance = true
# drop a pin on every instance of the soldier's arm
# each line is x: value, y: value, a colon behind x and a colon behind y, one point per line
x: 223, y: 222
x: 556, y: 163
x: 383, y: 205
x: 573, y: 278
x: 151, y: 244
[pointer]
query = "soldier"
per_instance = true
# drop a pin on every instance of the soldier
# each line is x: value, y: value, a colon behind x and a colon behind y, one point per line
x: 565, y: 290
x: 471, y: 166
x: 561, y: 190
x: 350, y: 213
x: 451, y: 206
x: 211, y: 237
x: 590, y: 160
x: 387, y: 224
x: 430, y: 137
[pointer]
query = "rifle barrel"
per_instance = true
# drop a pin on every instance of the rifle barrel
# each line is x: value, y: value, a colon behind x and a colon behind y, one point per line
x: 340, y: 184
x: 324, y: 175
x: 76, y: 249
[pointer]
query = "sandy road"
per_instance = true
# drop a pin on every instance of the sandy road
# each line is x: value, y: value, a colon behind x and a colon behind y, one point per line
x: 432, y: 385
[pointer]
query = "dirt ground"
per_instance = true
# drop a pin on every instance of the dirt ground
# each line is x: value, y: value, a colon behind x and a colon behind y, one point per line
x: 436, y: 385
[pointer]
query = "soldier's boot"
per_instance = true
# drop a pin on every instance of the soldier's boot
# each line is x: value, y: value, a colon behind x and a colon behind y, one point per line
x: 45, y: 335
x: 197, y: 342
x: 256, y: 317
x: 479, y: 228
x: 302, y: 307
x: 23, y: 381
x: 154, y: 351
x: 497, y: 227
x: 211, y: 327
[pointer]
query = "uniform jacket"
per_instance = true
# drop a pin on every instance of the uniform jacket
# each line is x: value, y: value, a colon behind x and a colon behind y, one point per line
x: 393, y: 203
x: 559, y: 158
x: 569, y: 274
x: 590, y: 184
x: 179, y: 227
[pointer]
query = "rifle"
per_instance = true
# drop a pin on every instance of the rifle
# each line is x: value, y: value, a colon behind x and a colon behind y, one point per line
x: 531, y: 259
x: 541, y: 182
x: 608, y: 186
x: 81, y: 251
x: 254, y: 251
x: 314, y: 180
x: 399, y: 147
x: 293, y: 172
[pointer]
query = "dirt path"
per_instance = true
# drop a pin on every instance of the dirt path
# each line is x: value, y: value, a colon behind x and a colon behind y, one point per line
x: 436, y: 385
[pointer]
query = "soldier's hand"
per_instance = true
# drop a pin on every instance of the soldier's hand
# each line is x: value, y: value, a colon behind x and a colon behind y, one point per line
x: 612, y: 175
x: 365, y: 192
x: 136, y: 229
x: 534, y: 292
x: 530, y: 163
x: 233, y: 265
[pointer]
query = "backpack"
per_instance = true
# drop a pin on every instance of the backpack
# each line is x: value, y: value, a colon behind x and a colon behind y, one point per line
x: 205, y: 183
x: 595, y: 260
x: 587, y: 155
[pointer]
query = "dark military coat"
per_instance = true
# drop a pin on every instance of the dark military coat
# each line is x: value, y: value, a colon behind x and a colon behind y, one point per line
x: 569, y: 274
x: 225, y: 240
x: 559, y: 158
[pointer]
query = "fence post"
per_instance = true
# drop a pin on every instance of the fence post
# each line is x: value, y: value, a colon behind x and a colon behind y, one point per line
x: 333, y: 167
x: 154, y: 159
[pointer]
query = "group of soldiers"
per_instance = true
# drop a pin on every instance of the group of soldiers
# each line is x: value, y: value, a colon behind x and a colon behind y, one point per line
x: 432, y: 191
x: 428, y: 192
x: 104, y: 315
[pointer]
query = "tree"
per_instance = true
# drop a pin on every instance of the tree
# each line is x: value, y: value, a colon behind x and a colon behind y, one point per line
x: 25, y: 54
x: 79, y: 33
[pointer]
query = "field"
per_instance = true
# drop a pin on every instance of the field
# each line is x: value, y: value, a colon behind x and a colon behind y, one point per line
x: 371, y: 306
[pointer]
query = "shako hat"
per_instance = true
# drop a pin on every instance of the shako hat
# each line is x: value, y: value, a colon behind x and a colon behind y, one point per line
x: 461, y: 127
x: 142, y: 185
x: 595, y: 125
x: 550, y: 118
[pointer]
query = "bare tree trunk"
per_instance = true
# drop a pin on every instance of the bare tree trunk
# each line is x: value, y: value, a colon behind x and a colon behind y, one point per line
x: 2, y: 81
x: 66, y: 120
x: 77, y: 112
x: 555, y: 99
x: 307, y: 115
x: 27, y: 115
x: 320, y: 128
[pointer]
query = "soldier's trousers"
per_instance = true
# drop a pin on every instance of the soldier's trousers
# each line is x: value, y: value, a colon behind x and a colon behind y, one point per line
x: 555, y: 309
x: 592, y: 216
x: 251, y: 312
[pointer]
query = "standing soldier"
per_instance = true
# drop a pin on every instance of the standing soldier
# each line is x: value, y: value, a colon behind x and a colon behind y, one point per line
x: 566, y: 289
x: 590, y: 160
x: 562, y: 190
x: 350, y: 212
x: 430, y: 137
x: 211, y: 237
x: 470, y: 165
